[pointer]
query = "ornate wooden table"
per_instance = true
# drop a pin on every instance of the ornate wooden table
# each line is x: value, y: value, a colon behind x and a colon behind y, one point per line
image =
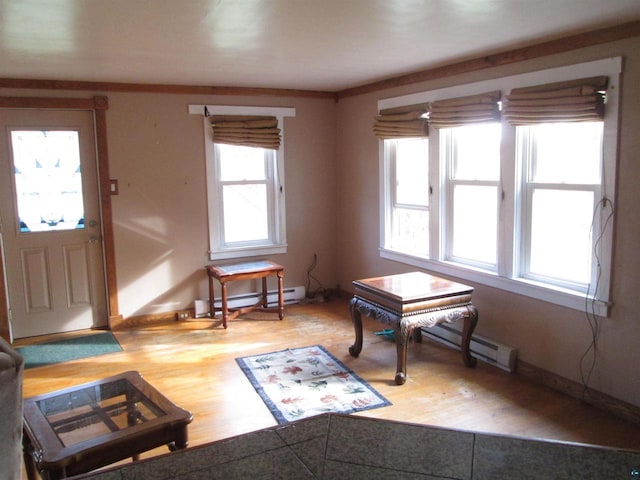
x: 409, y: 302
x: 88, y: 426
x: 245, y: 271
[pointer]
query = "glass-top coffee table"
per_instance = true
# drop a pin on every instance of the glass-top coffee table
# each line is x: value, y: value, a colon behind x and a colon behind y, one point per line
x: 88, y: 426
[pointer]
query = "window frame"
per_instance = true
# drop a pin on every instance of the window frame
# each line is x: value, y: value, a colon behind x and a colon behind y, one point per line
x: 270, y: 181
x: 525, y: 145
x: 507, y: 277
x: 447, y: 157
x: 390, y: 204
x: 277, y: 212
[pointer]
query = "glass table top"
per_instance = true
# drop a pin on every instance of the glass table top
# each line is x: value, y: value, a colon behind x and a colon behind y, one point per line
x: 97, y: 410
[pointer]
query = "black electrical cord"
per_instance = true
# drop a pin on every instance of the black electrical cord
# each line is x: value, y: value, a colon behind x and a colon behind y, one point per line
x: 311, y: 278
x: 590, y: 303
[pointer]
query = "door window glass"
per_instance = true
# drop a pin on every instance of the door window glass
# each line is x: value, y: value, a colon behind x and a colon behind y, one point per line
x: 48, y: 180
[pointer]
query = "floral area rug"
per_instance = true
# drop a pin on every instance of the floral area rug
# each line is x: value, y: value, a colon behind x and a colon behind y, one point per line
x: 303, y: 382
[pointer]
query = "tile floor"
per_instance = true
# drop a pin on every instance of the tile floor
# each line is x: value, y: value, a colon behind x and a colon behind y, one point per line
x: 335, y: 446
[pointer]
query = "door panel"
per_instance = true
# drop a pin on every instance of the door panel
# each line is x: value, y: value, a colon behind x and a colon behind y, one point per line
x: 49, y: 207
x: 35, y: 280
x: 76, y: 263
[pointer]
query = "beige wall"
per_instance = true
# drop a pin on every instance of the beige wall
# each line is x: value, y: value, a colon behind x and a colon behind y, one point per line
x: 548, y: 336
x: 331, y: 174
x: 156, y: 152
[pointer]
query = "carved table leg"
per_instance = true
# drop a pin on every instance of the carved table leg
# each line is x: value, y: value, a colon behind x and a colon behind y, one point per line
x: 470, y: 322
x: 417, y: 335
x: 402, y: 340
x: 356, y: 318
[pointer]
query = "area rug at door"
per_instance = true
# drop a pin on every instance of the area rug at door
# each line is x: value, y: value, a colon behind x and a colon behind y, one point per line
x: 72, y: 348
x: 303, y: 382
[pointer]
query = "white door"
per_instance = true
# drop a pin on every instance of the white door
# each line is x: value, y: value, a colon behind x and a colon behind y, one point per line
x: 50, y: 219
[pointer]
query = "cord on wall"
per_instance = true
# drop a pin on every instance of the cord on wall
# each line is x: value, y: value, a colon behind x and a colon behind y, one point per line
x: 311, y: 278
x: 588, y: 366
x: 320, y: 294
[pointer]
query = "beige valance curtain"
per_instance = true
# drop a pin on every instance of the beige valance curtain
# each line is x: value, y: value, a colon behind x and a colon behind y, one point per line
x: 402, y: 122
x: 572, y: 101
x: 457, y: 112
x: 248, y: 131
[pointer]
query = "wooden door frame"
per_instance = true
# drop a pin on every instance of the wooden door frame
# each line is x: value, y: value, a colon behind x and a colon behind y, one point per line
x: 98, y: 105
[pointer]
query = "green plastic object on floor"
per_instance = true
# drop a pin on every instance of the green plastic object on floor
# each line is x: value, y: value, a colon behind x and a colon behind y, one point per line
x: 387, y: 333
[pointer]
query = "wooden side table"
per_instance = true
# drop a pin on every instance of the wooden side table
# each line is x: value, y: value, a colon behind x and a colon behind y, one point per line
x: 81, y: 428
x: 245, y: 271
x: 409, y: 302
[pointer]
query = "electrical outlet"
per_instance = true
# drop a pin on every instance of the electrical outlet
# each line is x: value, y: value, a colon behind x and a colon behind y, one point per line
x: 182, y: 315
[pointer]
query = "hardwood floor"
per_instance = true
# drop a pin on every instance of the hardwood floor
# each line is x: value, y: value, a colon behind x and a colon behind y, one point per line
x: 193, y: 363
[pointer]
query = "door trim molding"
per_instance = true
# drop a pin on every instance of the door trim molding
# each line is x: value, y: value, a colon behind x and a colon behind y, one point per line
x: 98, y: 105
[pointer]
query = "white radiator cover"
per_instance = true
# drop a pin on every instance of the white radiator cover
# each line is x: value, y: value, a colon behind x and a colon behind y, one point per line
x: 488, y: 351
x: 291, y: 295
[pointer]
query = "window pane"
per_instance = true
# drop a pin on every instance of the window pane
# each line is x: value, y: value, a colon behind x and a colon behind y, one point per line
x: 475, y: 223
x: 566, y: 153
x: 560, y: 234
x: 245, y: 213
x: 410, y: 231
x: 48, y: 180
x: 476, y: 152
x: 412, y: 172
x: 241, y: 163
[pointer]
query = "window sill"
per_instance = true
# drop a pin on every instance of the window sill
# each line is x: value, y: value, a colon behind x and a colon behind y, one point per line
x: 557, y: 296
x: 247, y: 252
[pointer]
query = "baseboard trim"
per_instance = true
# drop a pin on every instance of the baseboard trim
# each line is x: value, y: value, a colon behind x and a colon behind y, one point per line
x: 602, y: 401
x: 115, y: 321
x: 138, y: 321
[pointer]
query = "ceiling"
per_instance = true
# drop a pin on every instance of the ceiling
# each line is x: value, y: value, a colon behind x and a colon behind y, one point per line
x: 325, y: 45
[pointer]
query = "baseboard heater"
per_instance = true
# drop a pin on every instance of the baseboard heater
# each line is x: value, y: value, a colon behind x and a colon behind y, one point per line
x: 291, y: 295
x: 488, y: 351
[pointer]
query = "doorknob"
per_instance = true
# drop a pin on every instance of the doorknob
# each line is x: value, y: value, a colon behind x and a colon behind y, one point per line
x: 94, y: 239
x: 92, y: 223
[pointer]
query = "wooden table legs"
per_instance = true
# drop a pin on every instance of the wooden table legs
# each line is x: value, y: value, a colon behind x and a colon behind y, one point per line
x: 244, y: 271
x: 406, y: 327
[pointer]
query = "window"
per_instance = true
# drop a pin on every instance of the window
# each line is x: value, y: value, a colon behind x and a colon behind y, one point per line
x: 514, y: 204
x: 245, y: 188
x: 561, y: 182
x: 407, y: 198
x: 471, y: 157
x: 48, y: 180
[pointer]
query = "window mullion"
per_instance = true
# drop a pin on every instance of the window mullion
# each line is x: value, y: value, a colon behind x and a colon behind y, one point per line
x: 388, y: 191
x: 271, y: 186
x: 393, y: 178
x: 436, y: 197
x: 219, y: 206
x: 507, y: 232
